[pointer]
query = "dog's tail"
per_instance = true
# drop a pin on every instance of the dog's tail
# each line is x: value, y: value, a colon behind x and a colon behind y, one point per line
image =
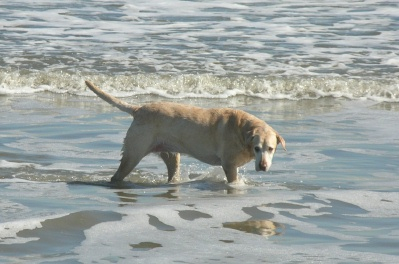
x: 125, y: 107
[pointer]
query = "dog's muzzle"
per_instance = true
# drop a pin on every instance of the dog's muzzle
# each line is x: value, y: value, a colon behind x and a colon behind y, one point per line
x: 261, y: 166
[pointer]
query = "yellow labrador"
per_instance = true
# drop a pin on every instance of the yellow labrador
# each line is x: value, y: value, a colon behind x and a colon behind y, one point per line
x: 217, y: 136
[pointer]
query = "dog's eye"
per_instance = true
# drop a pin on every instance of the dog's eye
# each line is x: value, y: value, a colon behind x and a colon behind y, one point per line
x: 270, y: 149
x: 257, y: 149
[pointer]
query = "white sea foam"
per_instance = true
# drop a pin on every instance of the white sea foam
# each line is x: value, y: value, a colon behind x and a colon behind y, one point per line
x: 162, y: 224
x: 9, y: 230
x: 204, y: 86
x: 8, y: 164
x: 200, y: 244
x: 344, y: 43
x: 377, y: 204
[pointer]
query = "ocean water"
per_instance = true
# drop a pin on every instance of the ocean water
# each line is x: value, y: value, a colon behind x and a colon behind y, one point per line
x: 324, y: 74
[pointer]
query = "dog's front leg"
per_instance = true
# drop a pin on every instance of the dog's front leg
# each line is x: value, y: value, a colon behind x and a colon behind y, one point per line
x: 231, y: 172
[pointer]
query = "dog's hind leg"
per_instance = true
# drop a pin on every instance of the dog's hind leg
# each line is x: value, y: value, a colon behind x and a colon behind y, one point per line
x: 135, y: 148
x: 172, y: 161
x: 126, y: 166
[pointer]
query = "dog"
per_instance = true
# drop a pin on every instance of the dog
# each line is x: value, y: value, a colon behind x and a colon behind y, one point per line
x: 218, y: 136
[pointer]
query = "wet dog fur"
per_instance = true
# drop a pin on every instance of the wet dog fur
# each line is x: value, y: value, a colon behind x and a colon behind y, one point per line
x: 218, y: 136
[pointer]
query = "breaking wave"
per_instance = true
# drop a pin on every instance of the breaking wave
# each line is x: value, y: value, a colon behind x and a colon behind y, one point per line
x: 202, y: 85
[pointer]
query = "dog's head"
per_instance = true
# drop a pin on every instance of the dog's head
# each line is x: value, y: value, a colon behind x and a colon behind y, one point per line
x: 263, y: 142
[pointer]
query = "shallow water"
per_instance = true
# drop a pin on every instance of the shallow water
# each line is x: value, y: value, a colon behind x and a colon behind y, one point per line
x: 332, y: 197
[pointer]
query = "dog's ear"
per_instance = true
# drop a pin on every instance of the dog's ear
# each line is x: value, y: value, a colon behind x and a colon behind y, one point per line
x: 249, y: 136
x: 280, y: 140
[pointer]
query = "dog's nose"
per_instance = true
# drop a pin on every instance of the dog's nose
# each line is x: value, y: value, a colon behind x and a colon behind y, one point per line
x: 262, y: 166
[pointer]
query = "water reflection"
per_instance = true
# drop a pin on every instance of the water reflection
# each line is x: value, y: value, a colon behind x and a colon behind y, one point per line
x: 127, y: 197
x: 171, y: 194
x: 264, y: 228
